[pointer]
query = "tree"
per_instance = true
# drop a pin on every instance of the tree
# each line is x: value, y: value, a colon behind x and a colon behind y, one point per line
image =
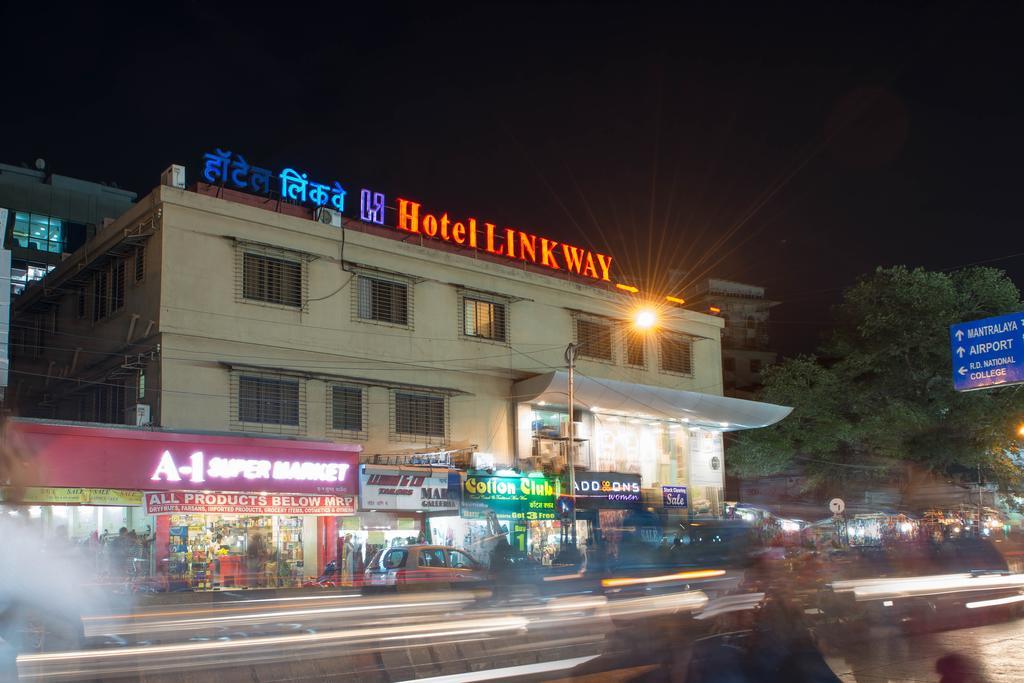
x: 879, y: 396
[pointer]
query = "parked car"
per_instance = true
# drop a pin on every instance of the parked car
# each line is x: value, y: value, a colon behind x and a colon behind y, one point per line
x: 422, y: 566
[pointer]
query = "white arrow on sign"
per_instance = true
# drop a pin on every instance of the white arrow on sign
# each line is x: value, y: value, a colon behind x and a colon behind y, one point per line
x: 959, y: 335
x: 962, y: 371
x: 960, y: 351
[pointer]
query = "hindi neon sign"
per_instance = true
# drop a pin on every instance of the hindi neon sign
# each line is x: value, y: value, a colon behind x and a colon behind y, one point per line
x: 221, y: 167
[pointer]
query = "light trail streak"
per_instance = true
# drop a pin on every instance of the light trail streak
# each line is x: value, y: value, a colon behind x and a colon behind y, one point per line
x: 509, y: 671
x: 994, y: 602
x: 681, y: 576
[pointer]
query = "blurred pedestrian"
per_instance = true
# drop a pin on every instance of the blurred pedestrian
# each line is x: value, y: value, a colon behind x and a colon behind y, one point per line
x: 957, y: 668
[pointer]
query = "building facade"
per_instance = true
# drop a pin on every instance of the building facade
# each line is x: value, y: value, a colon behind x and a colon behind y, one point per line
x: 415, y: 339
x: 48, y: 216
x: 745, y: 311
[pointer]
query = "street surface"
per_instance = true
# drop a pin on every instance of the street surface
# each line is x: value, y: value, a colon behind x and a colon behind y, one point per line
x: 888, y: 655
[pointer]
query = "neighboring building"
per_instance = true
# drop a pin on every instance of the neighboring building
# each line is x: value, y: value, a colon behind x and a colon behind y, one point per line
x: 50, y: 216
x: 745, y: 346
x: 44, y: 217
x: 210, y: 310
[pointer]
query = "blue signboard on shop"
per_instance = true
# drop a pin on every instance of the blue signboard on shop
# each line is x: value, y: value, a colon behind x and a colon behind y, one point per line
x: 988, y: 352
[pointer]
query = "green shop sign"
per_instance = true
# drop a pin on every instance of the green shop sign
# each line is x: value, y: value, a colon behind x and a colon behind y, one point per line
x: 510, y: 498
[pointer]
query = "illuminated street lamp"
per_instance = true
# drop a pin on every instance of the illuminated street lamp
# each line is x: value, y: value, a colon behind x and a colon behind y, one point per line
x: 1020, y: 430
x: 645, y: 319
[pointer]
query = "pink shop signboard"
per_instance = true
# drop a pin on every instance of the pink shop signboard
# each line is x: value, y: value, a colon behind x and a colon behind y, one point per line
x: 92, y: 457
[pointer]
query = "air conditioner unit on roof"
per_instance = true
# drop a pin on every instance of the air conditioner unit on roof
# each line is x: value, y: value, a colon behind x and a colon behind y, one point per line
x: 327, y: 216
x: 174, y: 176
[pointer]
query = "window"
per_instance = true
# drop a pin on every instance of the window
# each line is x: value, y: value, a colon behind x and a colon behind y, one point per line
x: 420, y: 415
x: 268, y: 400
x: 80, y: 302
x: 460, y: 560
x: 755, y: 365
x: 676, y: 354
x: 117, y: 271
x: 395, y: 559
x: 347, y: 406
x: 729, y: 364
x: 383, y: 301
x: 22, y: 275
x: 100, y: 294
x: 109, y: 404
x: 635, y: 355
x: 432, y: 557
x: 35, y: 231
x: 594, y: 338
x: 108, y: 289
x: 484, y: 319
x: 140, y: 262
x: 272, y: 280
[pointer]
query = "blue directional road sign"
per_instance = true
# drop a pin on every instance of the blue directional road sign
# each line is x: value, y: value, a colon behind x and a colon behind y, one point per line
x: 988, y: 352
x: 564, y: 505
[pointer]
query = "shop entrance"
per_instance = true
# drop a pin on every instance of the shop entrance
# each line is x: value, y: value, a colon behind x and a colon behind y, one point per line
x: 215, y: 551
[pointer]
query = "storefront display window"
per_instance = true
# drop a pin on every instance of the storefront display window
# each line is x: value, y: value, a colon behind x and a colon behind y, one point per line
x: 208, y: 551
x: 654, y: 450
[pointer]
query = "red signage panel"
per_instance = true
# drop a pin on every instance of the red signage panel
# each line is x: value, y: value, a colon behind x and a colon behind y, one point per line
x: 216, y: 502
x: 95, y: 457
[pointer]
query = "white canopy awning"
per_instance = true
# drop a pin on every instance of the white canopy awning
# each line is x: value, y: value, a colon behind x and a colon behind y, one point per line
x: 644, y: 400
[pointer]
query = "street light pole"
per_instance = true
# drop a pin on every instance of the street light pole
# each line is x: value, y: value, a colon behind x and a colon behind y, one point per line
x: 570, y: 359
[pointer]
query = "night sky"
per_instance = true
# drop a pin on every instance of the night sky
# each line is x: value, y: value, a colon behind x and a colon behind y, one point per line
x: 794, y: 146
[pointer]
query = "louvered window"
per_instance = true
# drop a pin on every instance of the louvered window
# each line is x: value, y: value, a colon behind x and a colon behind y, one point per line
x: 676, y: 354
x: 108, y: 289
x: 347, y: 410
x: 381, y: 300
x: 80, y: 302
x: 140, y: 262
x: 117, y: 275
x: 484, y: 319
x: 108, y: 403
x: 420, y: 415
x: 272, y: 280
x: 268, y: 401
x: 594, y: 338
x: 635, y: 351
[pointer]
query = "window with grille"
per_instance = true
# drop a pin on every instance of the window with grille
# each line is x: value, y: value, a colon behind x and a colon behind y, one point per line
x: 140, y: 262
x: 347, y: 410
x: 421, y: 416
x: 117, y: 274
x: 267, y: 400
x: 107, y: 290
x: 635, y: 349
x: 676, y: 354
x: 108, y: 404
x: 594, y: 338
x: 100, y: 283
x: 484, y: 319
x: 271, y: 279
x: 80, y: 302
x: 380, y: 300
